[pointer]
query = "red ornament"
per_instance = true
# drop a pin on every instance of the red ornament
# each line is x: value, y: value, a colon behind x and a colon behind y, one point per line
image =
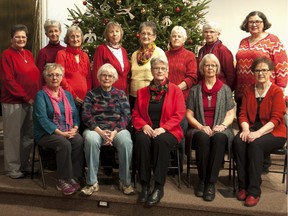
x: 177, y: 9
x: 190, y: 41
x: 84, y: 2
x: 137, y: 35
x: 105, y: 21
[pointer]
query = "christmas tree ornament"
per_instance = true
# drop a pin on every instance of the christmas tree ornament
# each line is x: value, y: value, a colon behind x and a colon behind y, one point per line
x: 118, y: 2
x: 89, y: 37
x: 143, y: 11
x: 126, y: 11
x: 105, y: 7
x: 105, y: 21
x: 160, y: 6
x: 84, y: 2
x: 191, y: 41
x: 177, y: 9
x: 166, y: 21
x: 137, y: 35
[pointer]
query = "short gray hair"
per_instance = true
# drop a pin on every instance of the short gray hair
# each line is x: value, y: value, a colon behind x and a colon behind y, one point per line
x: 51, y: 23
x: 179, y: 29
x: 212, y: 57
x: 160, y: 59
x: 109, y: 69
x: 71, y: 29
x: 212, y: 25
x: 51, y: 67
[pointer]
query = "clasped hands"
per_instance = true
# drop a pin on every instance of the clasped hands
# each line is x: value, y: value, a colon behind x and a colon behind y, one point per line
x: 108, y: 136
x: 210, y: 132
x: 249, y: 136
x: 71, y: 133
x: 153, y: 132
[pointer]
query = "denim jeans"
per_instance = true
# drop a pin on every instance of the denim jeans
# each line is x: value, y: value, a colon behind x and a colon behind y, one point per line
x: 92, y: 144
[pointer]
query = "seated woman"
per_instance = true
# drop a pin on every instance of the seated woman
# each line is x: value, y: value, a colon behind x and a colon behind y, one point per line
x: 106, y: 113
x: 56, y: 122
x: 158, y: 112
x: 263, y: 130
x: 210, y: 113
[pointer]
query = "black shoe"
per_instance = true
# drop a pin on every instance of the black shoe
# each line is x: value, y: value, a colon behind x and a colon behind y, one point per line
x: 209, y: 193
x: 155, y: 197
x: 143, y: 196
x: 200, y: 189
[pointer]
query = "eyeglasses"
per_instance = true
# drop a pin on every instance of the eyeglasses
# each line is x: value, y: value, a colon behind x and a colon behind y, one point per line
x: 54, y: 75
x: 257, y: 22
x: 208, y: 66
x: 146, y: 34
x: 159, y: 68
x: 263, y: 71
x: 107, y: 76
x: 20, y: 37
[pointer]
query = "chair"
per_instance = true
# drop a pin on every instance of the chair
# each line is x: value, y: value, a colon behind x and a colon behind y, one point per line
x: 174, y: 163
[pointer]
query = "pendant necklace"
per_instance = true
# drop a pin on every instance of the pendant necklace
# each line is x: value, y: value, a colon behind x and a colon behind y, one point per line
x: 24, y: 57
x: 209, y: 100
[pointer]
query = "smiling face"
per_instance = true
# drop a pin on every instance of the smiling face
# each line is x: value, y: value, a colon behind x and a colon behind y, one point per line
x: 262, y: 73
x: 19, y: 40
x: 53, y: 78
x: 159, y: 72
x: 209, y: 69
x: 210, y: 35
x: 255, y: 24
x: 147, y: 36
x: 75, y: 39
x: 106, y: 80
x: 53, y: 33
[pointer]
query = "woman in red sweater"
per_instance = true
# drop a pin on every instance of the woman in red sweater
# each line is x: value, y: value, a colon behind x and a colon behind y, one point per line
x: 262, y: 129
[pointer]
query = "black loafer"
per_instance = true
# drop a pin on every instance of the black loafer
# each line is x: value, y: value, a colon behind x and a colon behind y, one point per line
x: 143, y: 196
x: 209, y: 193
x: 200, y: 189
x: 155, y: 197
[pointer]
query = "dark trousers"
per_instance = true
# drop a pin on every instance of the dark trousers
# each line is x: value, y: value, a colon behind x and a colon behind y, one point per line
x: 209, y: 154
x: 153, y: 152
x: 69, y: 154
x: 249, y: 159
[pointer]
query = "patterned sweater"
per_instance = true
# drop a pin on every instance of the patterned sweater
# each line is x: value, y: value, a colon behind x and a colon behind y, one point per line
x: 107, y: 110
x: 271, y: 47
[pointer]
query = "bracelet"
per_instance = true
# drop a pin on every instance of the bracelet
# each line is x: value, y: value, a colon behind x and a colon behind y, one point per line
x: 224, y: 126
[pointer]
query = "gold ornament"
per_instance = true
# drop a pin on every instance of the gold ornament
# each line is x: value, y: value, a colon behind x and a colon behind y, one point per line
x: 160, y: 6
x: 143, y: 11
x: 118, y: 2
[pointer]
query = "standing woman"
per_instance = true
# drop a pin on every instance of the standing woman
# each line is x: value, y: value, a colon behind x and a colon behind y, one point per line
x: 259, y: 43
x: 262, y: 129
x: 20, y: 83
x: 210, y: 113
x: 48, y: 53
x: 77, y: 78
x: 112, y: 52
x: 140, y: 61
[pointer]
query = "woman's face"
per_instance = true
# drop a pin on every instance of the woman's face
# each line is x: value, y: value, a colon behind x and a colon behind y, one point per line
x: 209, y: 69
x: 159, y: 72
x: 106, y: 80
x: 75, y: 39
x: 53, y: 78
x: 177, y: 40
x: 19, y: 40
x: 147, y: 36
x: 114, y: 35
x: 53, y: 33
x: 210, y: 36
x: 255, y: 24
x: 262, y: 73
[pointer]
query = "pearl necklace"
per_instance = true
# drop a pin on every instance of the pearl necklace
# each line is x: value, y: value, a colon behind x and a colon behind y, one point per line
x: 24, y: 57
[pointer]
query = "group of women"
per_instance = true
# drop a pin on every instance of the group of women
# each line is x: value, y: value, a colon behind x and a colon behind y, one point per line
x: 166, y: 93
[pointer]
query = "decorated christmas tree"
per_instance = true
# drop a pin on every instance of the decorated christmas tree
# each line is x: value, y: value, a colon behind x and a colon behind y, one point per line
x: 130, y: 13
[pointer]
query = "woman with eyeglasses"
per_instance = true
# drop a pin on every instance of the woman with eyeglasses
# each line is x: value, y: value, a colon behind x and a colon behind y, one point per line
x: 210, y: 114
x: 263, y: 130
x: 56, y: 123
x: 140, y: 61
x: 159, y: 109
x: 20, y: 83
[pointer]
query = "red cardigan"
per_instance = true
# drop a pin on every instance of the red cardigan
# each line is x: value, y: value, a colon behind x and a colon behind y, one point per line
x: 173, y: 110
x: 272, y: 108
x: 104, y: 55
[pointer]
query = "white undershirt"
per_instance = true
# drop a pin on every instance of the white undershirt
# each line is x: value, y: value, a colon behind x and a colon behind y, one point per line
x: 118, y: 54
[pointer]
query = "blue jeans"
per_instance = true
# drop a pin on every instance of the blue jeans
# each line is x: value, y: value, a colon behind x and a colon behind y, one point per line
x: 122, y: 142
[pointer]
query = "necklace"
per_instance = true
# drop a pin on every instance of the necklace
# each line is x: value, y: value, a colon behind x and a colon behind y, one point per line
x: 23, y: 56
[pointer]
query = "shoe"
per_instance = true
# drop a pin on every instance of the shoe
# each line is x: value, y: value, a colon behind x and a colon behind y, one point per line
x: 251, y: 201
x: 154, y: 198
x: 15, y: 174
x: 241, y: 195
x: 200, y: 189
x: 143, y: 196
x: 75, y: 184
x: 88, y: 190
x: 65, y: 187
x: 209, y: 192
x: 127, y: 190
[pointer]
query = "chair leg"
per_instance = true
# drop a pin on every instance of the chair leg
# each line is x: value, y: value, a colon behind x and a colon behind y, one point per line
x: 230, y: 161
x: 41, y: 170
x: 179, y: 171
x: 234, y: 174
x: 33, y: 160
x: 188, y: 170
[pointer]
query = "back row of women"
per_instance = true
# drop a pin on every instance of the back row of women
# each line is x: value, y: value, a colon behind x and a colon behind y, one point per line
x: 159, y: 85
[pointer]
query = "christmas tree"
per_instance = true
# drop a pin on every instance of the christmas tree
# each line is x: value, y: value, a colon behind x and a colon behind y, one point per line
x: 130, y: 13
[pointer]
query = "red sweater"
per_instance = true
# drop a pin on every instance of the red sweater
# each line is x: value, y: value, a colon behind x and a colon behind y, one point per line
x: 20, y: 80
x: 271, y: 47
x: 272, y: 108
x: 227, y: 71
x: 77, y: 79
x: 182, y: 67
x: 173, y: 110
x: 104, y: 55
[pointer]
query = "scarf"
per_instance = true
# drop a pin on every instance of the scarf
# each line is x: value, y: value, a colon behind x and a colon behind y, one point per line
x: 74, y: 51
x: 57, y: 112
x: 143, y: 56
x: 213, y: 91
x: 157, y: 92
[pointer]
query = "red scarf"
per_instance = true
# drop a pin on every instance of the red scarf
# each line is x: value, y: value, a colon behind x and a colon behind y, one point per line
x: 57, y: 112
x: 157, y: 92
x: 74, y: 51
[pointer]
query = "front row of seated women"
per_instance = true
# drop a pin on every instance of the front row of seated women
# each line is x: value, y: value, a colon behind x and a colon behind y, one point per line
x: 156, y: 117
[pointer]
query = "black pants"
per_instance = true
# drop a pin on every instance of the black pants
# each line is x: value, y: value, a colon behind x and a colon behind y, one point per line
x: 249, y: 159
x: 209, y: 154
x: 155, y: 152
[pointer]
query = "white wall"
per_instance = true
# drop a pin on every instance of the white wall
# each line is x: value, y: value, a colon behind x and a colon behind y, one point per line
x: 229, y: 13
